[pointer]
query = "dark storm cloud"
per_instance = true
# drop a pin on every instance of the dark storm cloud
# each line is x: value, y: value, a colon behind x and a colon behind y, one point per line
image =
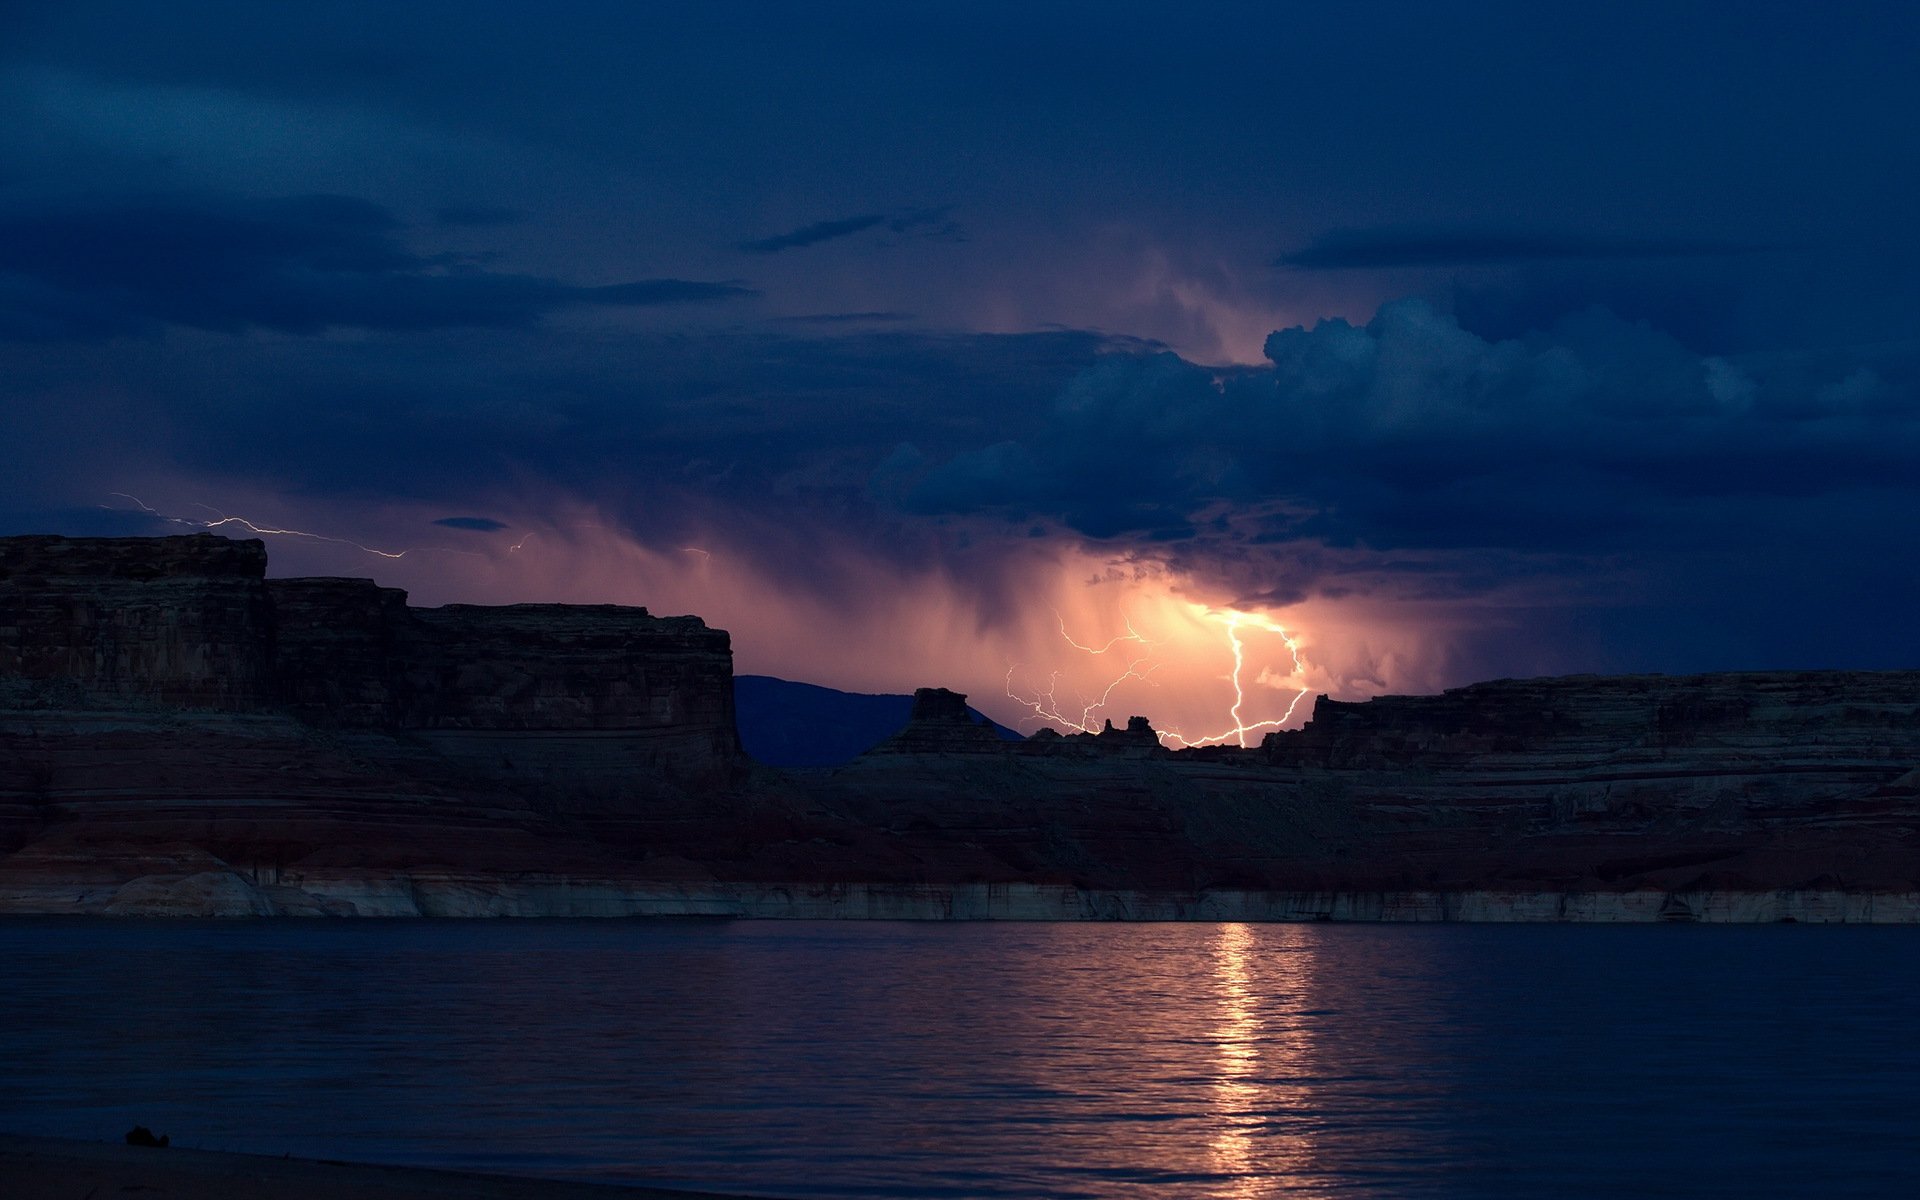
x: 1374, y: 249
x: 1701, y: 309
x: 728, y: 418
x: 297, y: 265
x: 1660, y: 509
x: 476, y: 524
x: 1410, y: 432
x: 32, y: 311
x: 660, y: 291
x: 930, y: 223
x: 1527, y: 437
x: 1406, y: 456
x: 771, y: 439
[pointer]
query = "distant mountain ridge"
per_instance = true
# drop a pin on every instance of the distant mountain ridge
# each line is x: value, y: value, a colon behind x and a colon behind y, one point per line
x: 788, y: 724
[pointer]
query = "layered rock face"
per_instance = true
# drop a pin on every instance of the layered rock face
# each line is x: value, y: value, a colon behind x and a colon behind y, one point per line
x: 179, y: 734
x: 1737, y: 783
x: 1595, y: 753
x: 180, y: 621
x: 591, y: 695
x: 162, y: 693
x: 1821, y: 716
x: 591, y: 700
x: 340, y: 648
x: 192, y: 623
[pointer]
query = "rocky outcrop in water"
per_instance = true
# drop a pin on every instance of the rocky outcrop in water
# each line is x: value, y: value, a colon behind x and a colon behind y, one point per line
x: 180, y: 735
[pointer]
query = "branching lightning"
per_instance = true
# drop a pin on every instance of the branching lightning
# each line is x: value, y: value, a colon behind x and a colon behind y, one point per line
x: 221, y: 519
x: 1232, y: 620
x: 1045, y: 705
x: 1156, y: 657
x: 1131, y: 635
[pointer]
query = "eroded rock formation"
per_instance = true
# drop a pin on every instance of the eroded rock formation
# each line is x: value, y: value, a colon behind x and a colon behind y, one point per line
x: 180, y: 735
x: 586, y: 697
x: 941, y: 723
x: 163, y: 707
x: 191, y: 623
x: 179, y: 621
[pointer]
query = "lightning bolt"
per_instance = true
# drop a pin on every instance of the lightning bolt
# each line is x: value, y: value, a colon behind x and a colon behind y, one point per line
x: 222, y: 520
x: 1231, y: 620
x: 1044, y: 703
x: 151, y: 511
x: 1045, y: 706
x: 1129, y: 636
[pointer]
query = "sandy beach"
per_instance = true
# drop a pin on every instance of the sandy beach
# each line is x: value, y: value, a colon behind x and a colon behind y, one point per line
x: 39, y: 1168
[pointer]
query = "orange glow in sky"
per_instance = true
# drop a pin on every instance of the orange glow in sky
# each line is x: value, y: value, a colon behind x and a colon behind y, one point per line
x: 1036, y: 631
x: 1187, y: 636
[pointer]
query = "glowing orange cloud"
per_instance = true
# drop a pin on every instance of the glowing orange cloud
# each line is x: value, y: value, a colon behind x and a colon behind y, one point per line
x: 1232, y: 620
x: 1038, y: 631
x: 1184, y: 643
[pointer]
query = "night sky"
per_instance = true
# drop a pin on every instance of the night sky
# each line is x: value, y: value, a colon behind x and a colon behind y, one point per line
x: 1021, y: 348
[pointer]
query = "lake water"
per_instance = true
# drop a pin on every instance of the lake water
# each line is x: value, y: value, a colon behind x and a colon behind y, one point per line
x: 993, y: 1060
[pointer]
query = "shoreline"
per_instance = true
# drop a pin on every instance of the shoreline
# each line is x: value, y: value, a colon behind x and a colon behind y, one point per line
x: 232, y: 894
x: 50, y: 1168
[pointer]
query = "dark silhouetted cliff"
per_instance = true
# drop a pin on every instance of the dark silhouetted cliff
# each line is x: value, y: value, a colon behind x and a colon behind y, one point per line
x: 179, y: 734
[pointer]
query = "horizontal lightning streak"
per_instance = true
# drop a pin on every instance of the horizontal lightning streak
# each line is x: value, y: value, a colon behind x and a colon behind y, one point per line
x: 299, y: 533
x: 221, y: 520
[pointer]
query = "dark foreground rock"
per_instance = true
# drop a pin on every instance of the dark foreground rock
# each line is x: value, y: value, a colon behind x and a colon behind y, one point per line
x: 181, y: 736
x: 38, y: 1168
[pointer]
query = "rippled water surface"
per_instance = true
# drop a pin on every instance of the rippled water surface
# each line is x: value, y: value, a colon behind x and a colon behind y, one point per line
x: 993, y: 1060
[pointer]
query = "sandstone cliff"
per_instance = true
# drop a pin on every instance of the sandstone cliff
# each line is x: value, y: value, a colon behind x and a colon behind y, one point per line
x: 179, y: 621
x: 161, y: 702
x: 179, y: 734
x: 191, y: 623
x: 589, y: 698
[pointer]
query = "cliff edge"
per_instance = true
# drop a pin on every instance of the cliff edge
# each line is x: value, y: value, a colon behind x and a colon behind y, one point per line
x: 181, y: 735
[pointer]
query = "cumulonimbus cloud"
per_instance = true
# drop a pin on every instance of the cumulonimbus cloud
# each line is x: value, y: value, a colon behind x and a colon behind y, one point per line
x: 1658, y: 499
